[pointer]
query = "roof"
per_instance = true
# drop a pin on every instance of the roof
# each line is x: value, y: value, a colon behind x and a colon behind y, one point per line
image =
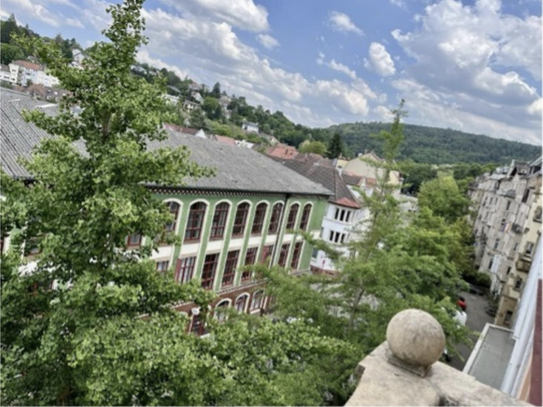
x: 238, y: 169
x: 351, y: 179
x: 313, y: 158
x: 27, y: 65
x: 328, y: 177
x: 185, y: 130
x: 225, y: 140
x: 282, y: 151
x: 489, y: 361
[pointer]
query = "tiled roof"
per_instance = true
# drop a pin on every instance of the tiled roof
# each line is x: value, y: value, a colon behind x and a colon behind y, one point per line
x: 282, y: 151
x: 326, y: 176
x: 313, y: 158
x: 225, y: 140
x: 238, y: 169
x: 28, y: 65
x: 351, y: 179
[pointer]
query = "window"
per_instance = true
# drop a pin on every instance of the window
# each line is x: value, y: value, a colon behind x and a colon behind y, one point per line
x: 347, y: 216
x: 173, y: 207
x: 508, y: 205
x: 490, y: 263
x: 529, y: 249
x: 315, y: 253
x: 219, y: 220
x: 133, y: 240
x: 283, y: 255
x: 336, y: 237
x: 162, y: 266
x: 260, y: 215
x: 195, y: 221
x: 537, y: 214
x: 230, y: 268
x: 292, y: 216
x: 185, y: 269
x: 502, y: 225
x: 241, y: 302
x: 197, y: 327
x: 508, y: 270
x: 275, y: 218
x: 258, y: 300
x: 208, y: 272
x: 241, y: 219
x: 518, y: 283
x: 496, y: 244
x: 508, y: 317
x: 266, y: 252
x: 296, y: 255
x: 250, y: 259
x: 221, y: 311
x: 525, y: 196
x: 305, y: 217
x: 342, y: 239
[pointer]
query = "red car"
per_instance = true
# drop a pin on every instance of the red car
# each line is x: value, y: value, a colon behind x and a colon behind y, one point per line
x: 461, y: 303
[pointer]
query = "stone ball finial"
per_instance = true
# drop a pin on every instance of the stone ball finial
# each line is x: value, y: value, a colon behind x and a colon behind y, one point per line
x: 415, y: 339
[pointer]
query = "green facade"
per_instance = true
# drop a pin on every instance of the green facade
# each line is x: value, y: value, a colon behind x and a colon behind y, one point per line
x: 186, y: 199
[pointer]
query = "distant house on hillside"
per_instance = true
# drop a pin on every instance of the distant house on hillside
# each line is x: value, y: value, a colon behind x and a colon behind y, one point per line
x: 197, y: 97
x: 224, y: 139
x: 250, y: 127
x: 193, y: 86
x: 283, y: 151
x: 5, y: 73
x: 244, y: 144
x: 78, y: 56
x: 43, y: 92
x: 189, y: 105
x: 171, y: 99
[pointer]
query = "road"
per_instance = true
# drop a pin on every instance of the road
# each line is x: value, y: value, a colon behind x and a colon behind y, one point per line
x: 477, y: 319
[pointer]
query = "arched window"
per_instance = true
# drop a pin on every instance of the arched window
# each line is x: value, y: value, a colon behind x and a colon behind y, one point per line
x: 195, y: 222
x: 221, y: 310
x: 241, y: 303
x: 305, y: 217
x: 292, y: 216
x: 296, y: 256
x: 258, y: 300
x: 219, y: 220
x: 260, y: 215
x: 283, y: 255
x: 173, y: 207
x: 241, y: 219
x: 275, y: 218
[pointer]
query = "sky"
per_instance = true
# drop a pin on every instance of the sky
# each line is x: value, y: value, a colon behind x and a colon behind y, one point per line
x: 471, y: 65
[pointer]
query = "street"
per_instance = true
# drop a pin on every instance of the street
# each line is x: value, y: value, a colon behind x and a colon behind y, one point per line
x: 477, y: 319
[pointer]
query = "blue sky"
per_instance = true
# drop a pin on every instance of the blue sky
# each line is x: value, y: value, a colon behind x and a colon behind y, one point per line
x: 472, y: 65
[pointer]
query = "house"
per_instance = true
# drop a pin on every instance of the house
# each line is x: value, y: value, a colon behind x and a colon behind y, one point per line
x: 44, y: 92
x: 250, y: 127
x: 21, y: 72
x: 342, y: 215
x: 362, y: 166
x: 244, y: 144
x: 5, y: 73
x: 78, y: 56
x: 224, y: 140
x: 189, y: 105
x: 243, y: 215
x: 282, y: 151
x: 197, y: 97
x: 171, y: 99
x: 507, y: 229
x: 193, y: 86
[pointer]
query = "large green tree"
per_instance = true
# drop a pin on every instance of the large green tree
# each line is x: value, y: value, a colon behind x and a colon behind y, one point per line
x: 335, y: 147
x: 91, y: 322
x: 315, y: 147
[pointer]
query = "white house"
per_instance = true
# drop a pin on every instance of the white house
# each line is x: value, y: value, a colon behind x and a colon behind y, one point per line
x: 197, y: 97
x: 343, y: 213
x: 189, y: 105
x: 250, y: 127
x: 21, y: 72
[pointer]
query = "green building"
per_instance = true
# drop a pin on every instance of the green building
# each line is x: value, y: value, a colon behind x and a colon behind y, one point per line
x: 243, y: 215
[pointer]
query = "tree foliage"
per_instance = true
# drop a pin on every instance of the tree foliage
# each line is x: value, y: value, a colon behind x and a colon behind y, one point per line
x: 315, y: 147
x: 88, y: 321
x: 335, y: 147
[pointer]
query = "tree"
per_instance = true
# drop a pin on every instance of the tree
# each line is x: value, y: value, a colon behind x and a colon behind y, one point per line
x: 212, y: 108
x: 396, y: 264
x: 82, y: 340
x: 197, y: 119
x: 10, y: 53
x: 216, y: 91
x: 444, y: 198
x: 335, y: 147
x: 8, y: 28
x: 315, y: 147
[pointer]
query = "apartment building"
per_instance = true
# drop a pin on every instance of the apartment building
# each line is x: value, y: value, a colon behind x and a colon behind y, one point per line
x: 248, y: 213
x: 507, y: 227
x: 23, y: 72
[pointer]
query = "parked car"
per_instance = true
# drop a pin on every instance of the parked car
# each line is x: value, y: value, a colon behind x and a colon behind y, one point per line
x: 461, y: 302
x: 475, y: 290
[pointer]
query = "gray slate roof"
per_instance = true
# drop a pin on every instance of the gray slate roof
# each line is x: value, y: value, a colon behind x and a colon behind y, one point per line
x: 238, y: 169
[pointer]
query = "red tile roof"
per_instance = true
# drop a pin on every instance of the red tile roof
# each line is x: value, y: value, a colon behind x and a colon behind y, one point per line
x: 226, y: 140
x: 282, y: 151
x: 28, y: 65
x: 347, y: 202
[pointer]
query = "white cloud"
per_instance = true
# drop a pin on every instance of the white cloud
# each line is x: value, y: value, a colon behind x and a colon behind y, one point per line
x: 144, y: 57
x: 380, y: 60
x: 342, y: 22
x: 336, y: 66
x: 244, y: 14
x: 463, y: 76
x: 214, y: 51
x: 383, y: 113
x: 399, y: 3
x: 267, y: 41
x: 73, y: 22
x: 33, y: 10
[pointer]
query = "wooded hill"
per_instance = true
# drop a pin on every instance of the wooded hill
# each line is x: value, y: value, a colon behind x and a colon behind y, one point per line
x: 438, y: 146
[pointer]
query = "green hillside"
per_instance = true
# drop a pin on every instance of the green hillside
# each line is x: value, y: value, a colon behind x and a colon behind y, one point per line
x: 438, y: 146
